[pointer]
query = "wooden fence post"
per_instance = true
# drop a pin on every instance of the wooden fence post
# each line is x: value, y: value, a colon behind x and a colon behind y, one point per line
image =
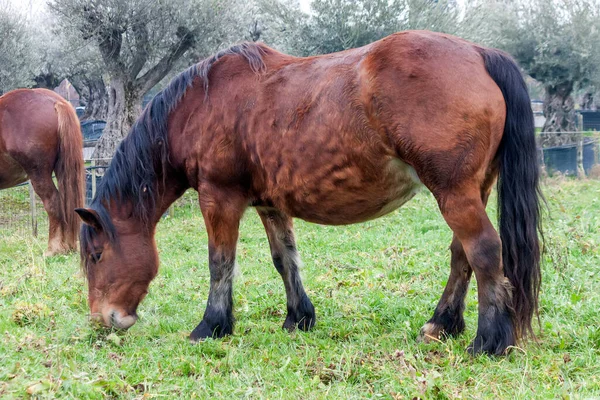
x: 93, y: 169
x: 580, y: 170
x: 34, y: 226
x: 595, y: 142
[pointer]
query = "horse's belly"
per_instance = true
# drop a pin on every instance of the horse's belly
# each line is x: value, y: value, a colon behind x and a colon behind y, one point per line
x: 11, y: 172
x: 369, y: 198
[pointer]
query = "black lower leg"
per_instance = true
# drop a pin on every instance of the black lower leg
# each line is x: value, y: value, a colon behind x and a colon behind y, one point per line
x: 466, y: 216
x: 300, y: 311
x: 448, y: 316
x: 218, y: 318
x: 496, y: 328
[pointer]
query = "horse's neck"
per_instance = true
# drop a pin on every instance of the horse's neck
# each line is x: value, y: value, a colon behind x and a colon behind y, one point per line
x: 169, y: 192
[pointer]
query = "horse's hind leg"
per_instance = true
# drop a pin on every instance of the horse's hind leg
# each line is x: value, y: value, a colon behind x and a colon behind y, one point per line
x: 45, y: 188
x: 279, y: 227
x: 222, y: 212
x: 464, y: 212
x: 448, y: 315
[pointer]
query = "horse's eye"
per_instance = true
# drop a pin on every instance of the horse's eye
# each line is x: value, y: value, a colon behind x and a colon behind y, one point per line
x: 95, y: 257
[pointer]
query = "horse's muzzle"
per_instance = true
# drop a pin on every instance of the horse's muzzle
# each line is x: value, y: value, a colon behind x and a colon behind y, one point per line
x: 122, y: 322
x: 114, y: 319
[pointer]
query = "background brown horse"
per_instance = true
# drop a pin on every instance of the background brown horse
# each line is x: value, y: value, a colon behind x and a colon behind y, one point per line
x: 334, y: 139
x: 39, y: 134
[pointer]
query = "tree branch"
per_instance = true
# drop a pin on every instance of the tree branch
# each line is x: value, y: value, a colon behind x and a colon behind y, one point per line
x: 109, y: 42
x: 109, y: 36
x: 186, y: 40
x: 140, y: 33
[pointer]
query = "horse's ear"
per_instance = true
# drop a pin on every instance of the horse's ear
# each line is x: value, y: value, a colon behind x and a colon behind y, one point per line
x: 89, y: 217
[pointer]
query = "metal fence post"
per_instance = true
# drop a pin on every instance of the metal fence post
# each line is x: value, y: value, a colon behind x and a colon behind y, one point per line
x: 34, y: 226
x: 93, y: 169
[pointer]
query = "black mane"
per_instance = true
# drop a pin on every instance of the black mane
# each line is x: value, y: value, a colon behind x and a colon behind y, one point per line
x: 142, y: 157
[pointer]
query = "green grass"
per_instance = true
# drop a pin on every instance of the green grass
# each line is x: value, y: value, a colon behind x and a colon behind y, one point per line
x: 373, y: 286
x: 15, y: 214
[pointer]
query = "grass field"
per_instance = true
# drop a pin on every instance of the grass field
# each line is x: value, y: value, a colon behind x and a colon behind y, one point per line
x: 373, y: 285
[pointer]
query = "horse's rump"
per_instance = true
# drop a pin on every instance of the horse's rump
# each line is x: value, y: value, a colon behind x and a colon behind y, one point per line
x: 39, y: 134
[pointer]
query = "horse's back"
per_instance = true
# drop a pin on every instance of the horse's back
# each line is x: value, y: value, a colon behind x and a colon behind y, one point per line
x: 344, y: 137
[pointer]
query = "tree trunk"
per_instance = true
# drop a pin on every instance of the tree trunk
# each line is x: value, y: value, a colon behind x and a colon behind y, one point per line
x: 46, y: 80
x: 126, y: 88
x: 96, y: 100
x: 560, y: 115
x: 124, y: 106
x: 590, y: 100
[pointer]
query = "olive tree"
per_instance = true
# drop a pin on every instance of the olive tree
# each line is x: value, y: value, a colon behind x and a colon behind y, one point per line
x: 16, y: 55
x: 335, y: 25
x: 80, y: 62
x: 139, y: 42
x: 557, y: 43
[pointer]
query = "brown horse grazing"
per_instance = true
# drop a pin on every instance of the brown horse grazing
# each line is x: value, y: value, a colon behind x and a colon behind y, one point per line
x: 334, y: 139
x: 39, y: 134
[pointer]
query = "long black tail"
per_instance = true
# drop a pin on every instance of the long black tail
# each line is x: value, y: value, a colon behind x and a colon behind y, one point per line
x: 519, y: 193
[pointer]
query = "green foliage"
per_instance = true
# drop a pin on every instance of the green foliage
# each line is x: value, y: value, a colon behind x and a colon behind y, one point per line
x: 556, y: 42
x: 339, y: 25
x: 16, y: 55
x: 133, y: 37
x: 373, y: 285
x: 335, y: 25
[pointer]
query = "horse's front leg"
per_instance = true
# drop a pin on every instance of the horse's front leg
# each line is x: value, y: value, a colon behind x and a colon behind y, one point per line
x: 222, y: 212
x: 280, y: 231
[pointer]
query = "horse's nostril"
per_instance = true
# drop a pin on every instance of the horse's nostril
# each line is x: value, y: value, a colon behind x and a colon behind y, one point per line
x: 120, y: 321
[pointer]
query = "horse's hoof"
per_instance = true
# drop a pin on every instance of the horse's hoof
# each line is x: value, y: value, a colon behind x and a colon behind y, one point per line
x: 303, y: 317
x: 305, y: 323
x: 51, y: 253
x: 204, y: 331
x: 478, y: 346
x: 430, y: 332
x: 57, y: 251
x: 201, y: 332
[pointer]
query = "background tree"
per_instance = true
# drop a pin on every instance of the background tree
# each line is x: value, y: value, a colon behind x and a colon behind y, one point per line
x: 335, y: 25
x: 139, y: 42
x: 283, y: 25
x: 557, y: 44
x: 80, y: 63
x: 16, y: 55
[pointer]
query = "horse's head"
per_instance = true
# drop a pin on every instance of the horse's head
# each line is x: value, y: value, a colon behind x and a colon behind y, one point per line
x: 120, y: 259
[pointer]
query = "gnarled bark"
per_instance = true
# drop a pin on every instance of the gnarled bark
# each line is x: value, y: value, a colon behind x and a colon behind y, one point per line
x: 559, y: 110
x: 590, y: 100
x: 96, y: 98
x: 126, y: 88
x: 124, y: 105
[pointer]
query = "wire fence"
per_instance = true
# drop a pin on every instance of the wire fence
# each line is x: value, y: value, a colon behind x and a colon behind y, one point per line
x: 569, y: 153
x: 22, y: 212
